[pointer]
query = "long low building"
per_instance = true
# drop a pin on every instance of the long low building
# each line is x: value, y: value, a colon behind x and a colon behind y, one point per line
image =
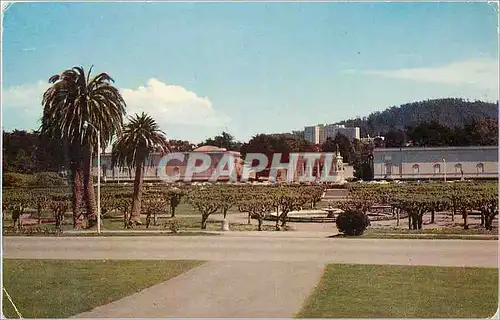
x: 155, y: 170
x: 446, y: 163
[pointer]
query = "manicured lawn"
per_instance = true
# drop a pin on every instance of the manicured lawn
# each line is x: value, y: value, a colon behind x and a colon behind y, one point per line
x: 376, y: 291
x: 63, y: 288
x: 431, y: 233
x: 447, y: 230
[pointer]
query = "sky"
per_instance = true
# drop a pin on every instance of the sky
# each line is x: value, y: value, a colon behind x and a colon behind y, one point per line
x: 248, y: 68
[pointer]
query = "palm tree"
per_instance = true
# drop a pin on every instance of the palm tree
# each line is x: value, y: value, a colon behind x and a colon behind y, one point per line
x: 73, y: 99
x: 140, y: 137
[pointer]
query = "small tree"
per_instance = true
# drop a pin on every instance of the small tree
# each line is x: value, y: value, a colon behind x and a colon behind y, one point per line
x: 287, y: 199
x: 206, y: 202
x: 257, y: 206
x: 59, y: 205
x: 228, y: 199
x: 352, y: 223
x: 175, y: 196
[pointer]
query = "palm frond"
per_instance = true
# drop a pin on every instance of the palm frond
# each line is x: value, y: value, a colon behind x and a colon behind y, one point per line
x: 140, y: 137
x: 73, y: 99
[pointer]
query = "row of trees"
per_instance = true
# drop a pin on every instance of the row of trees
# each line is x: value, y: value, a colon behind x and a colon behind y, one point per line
x: 451, y: 112
x: 475, y: 132
x: 417, y: 200
x: 257, y: 201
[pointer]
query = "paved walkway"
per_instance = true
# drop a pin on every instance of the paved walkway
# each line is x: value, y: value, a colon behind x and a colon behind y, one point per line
x: 246, y: 276
x: 285, y: 246
x: 222, y: 290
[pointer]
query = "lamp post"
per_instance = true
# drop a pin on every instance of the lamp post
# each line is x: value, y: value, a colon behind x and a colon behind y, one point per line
x: 85, y: 125
x: 444, y: 165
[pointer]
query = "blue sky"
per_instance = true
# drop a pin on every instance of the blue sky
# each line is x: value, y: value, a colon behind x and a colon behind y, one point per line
x: 248, y: 68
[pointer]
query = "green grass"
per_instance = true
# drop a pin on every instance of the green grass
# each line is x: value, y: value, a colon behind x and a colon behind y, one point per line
x: 429, y: 236
x: 377, y: 291
x: 455, y: 230
x: 63, y: 288
x: 445, y: 233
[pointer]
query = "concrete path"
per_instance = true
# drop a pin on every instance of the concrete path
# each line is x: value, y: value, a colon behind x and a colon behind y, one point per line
x: 287, y: 247
x: 222, y: 290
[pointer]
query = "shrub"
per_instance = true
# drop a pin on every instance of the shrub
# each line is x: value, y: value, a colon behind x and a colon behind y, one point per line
x: 173, y: 225
x: 13, y: 179
x: 48, y: 179
x: 352, y: 223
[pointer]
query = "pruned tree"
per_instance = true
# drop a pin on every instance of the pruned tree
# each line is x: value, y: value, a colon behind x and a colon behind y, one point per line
x: 206, y: 203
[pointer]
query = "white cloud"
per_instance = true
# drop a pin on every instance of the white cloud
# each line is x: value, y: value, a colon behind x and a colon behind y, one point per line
x: 168, y: 104
x: 478, y: 74
x: 172, y: 104
x: 22, y: 106
x: 26, y: 97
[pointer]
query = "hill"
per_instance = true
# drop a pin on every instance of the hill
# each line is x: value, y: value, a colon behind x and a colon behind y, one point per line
x: 450, y: 112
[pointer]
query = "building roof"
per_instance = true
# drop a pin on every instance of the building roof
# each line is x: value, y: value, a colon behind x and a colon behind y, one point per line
x: 209, y: 148
x: 447, y: 148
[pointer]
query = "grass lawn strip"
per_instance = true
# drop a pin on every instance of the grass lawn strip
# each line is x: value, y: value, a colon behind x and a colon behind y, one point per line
x: 60, y: 289
x: 379, y: 291
x: 427, y: 236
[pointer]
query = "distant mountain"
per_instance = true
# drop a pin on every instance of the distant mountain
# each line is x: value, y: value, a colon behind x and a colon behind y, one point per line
x: 450, y: 112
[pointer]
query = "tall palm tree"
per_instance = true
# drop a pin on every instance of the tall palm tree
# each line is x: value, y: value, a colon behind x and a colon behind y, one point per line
x: 73, y: 99
x: 140, y: 137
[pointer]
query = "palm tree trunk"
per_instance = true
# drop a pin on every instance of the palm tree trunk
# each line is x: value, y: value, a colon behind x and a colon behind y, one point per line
x: 135, y: 215
x: 77, y: 197
x: 88, y: 187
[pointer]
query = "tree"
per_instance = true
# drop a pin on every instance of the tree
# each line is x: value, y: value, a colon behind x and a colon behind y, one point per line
x: 174, y: 195
x: 286, y: 200
x: 352, y: 223
x: 342, y: 144
x: 257, y: 205
x: 140, y: 137
x: 269, y: 144
x: 395, y: 139
x: 180, y: 146
x: 205, y: 201
x: 74, y: 99
x: 480, y: 132
x: 430, y: 134
x: 225, y: 140
x: 27, y: 152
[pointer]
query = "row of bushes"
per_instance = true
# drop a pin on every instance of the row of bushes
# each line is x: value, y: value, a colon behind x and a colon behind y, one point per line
x: 43, y: 179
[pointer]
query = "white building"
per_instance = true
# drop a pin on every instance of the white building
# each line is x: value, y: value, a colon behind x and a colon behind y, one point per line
x: 319, y: 133
x: 477, y: 162
x: 331, y: 130
x: 314, y: 134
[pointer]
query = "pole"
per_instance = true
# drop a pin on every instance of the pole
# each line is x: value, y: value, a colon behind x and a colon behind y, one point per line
x: 98, y: 182
x: 444, y: 165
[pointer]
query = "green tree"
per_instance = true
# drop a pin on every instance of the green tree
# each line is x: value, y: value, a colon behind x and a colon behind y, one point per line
x: 140, y: 137
x: 180, y: 146
x: 270, y: 144
x: 73, y: 99
x: 224, y: 140
x: 343, y: 145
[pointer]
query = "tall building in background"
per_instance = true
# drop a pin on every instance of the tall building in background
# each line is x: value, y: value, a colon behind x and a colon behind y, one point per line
x: 319, y: 133
x: 331, y: 130
x: 314, y: 134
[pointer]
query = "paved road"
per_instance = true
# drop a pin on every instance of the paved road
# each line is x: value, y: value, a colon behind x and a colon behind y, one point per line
x: 283, y: 247
x: 222, y: 290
